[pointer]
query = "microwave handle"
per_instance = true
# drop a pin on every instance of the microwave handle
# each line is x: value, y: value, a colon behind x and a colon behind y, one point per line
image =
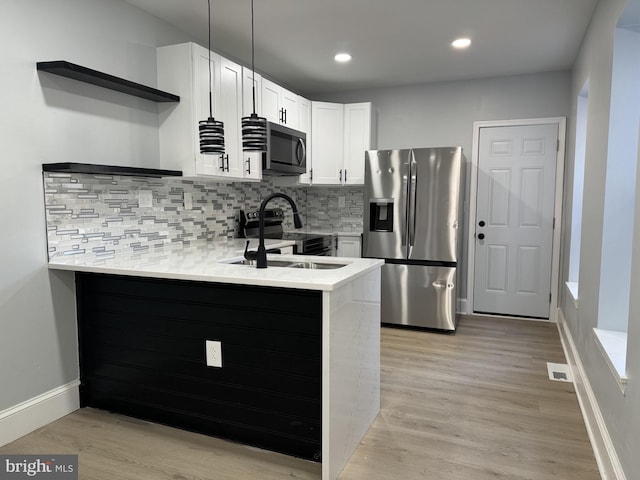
x: 301, y: 151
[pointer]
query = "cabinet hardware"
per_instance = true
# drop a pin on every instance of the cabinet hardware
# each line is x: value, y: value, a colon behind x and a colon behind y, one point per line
x: 227, y: 159
x: 345, y: 175
x: 249, y: 166
x: 222, y: 162
x: 341, y: 175
x: 311, y: 175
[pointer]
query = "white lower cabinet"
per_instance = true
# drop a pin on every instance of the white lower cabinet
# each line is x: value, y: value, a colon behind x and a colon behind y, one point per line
x: 348, y: 246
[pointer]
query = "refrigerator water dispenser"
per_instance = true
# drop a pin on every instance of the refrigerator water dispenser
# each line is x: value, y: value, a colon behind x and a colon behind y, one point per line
x: 381, y: 215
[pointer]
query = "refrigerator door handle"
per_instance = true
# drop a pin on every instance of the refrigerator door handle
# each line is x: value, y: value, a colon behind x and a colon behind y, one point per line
x: 404, y: 204
x: 413, y: 187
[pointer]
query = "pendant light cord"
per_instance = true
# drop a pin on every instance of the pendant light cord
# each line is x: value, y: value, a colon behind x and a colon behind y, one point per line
x: 253, y: 65
x: 210, y: 101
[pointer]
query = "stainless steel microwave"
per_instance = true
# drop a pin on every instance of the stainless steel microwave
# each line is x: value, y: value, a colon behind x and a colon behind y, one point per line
x: 286, y: 151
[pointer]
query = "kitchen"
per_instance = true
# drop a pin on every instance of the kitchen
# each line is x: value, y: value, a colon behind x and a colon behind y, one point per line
x: 88, y: 125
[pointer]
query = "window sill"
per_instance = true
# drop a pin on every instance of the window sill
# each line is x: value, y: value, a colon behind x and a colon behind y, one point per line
x: 613, y: 346
x: 572, y: 287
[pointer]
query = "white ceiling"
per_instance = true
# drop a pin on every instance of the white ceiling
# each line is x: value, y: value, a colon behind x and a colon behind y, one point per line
x: 393, y: 42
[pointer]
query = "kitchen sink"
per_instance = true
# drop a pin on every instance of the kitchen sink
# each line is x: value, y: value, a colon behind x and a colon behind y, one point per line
x: 292, y: 264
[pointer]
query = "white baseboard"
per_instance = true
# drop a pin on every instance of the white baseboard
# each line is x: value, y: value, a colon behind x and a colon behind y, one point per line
x: 39, y: 411
x: 462, y: 306
x: 606, y: 456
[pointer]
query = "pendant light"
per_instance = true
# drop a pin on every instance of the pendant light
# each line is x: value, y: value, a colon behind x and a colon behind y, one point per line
x: 211, y: 130
x: 254, y: 128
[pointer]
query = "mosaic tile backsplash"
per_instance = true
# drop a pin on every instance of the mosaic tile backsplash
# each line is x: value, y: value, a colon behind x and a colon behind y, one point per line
x: 100, y: 215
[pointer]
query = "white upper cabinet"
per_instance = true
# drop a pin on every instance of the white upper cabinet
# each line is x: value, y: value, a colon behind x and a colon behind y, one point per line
x: 252, y: 160
x: 327, y: 141
x: 248, y: 76
x: 304, y: 125
x: 358, y: 138
x: 279, y: 105
x: 337, y: 134
x: 184, y: 68
x: 231, y: 114
x: 290, y: 109
x: 340, y: 136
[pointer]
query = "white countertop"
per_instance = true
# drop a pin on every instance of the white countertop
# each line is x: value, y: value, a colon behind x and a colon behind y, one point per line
x: 206, y: 263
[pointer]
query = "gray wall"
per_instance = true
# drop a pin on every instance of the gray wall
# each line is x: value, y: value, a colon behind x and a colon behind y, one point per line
x: 442, y: 114
x: 52, y: 119
x: 620, y: 412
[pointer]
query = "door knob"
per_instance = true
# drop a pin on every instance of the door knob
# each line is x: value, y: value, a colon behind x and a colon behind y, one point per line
x: 482, y: 224
x: 481, y: 236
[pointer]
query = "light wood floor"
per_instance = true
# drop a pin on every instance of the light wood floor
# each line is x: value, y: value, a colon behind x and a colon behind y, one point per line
x: 472, y: 406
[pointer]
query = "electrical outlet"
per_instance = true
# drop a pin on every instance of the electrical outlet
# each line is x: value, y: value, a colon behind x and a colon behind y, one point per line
x: 341, y: 202
x: 214, y: 353
x: 188, y: 201
x: 145, y: 198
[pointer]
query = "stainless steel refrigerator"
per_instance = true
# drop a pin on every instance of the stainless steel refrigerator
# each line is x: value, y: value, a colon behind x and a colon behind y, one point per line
x: 412, y: 220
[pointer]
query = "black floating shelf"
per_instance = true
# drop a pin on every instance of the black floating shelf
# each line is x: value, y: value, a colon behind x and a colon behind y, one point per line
x: 87, y: 75
x: 108, y: 170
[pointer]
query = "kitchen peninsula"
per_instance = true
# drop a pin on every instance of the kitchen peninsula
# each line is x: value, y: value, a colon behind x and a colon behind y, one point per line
x: 298, y: 347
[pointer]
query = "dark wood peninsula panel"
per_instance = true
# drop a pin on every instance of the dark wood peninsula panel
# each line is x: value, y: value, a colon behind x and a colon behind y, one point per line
x: 142, y: 353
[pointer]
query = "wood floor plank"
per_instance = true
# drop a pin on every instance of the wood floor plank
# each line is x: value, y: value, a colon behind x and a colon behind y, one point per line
x: 475, y: 405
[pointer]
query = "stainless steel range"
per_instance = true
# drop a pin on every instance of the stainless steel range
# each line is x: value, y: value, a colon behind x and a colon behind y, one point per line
x: 306, y: 243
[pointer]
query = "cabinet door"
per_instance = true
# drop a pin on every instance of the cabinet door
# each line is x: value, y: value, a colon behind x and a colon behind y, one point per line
x: 327, y: 137
x: 348, y: 247
x: 304, y: 116
x: 230, y: 114
x: 271, y: 100
x: 289, y: 102
x: 252, y: 161
x: 248, y: 77
x: 205, y: 164
x: 357, y: 140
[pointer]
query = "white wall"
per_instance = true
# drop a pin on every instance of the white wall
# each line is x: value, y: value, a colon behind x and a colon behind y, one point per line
x: 620, y: 412
x: 46, y: 119
x: 620, y: 183
x: 442, y: 114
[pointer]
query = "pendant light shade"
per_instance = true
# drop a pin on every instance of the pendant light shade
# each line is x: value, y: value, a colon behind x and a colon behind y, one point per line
x: 254, y: 128
x: 211, y: 136
x: 211, y: 131
x: 254, y: 133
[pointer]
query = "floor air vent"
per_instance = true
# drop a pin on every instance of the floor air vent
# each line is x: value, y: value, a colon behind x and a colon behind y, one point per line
x: 559, y: 372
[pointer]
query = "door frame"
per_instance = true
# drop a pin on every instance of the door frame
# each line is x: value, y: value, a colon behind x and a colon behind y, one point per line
x: 561, y: 122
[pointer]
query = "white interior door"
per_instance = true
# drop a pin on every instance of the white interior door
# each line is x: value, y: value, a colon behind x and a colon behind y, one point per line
x: 514, y: 220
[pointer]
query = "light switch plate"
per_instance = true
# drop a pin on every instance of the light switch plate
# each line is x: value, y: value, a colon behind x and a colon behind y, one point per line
x: 145, y: 198
x: 214, y: 353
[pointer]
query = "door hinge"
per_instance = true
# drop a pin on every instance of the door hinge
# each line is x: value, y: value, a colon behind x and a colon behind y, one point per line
x: 549, y: 297
x: 554, y: 223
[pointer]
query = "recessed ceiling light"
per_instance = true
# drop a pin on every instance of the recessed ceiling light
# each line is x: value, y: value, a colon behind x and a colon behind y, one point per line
x: 461, y: 43
x: 342, y: 57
